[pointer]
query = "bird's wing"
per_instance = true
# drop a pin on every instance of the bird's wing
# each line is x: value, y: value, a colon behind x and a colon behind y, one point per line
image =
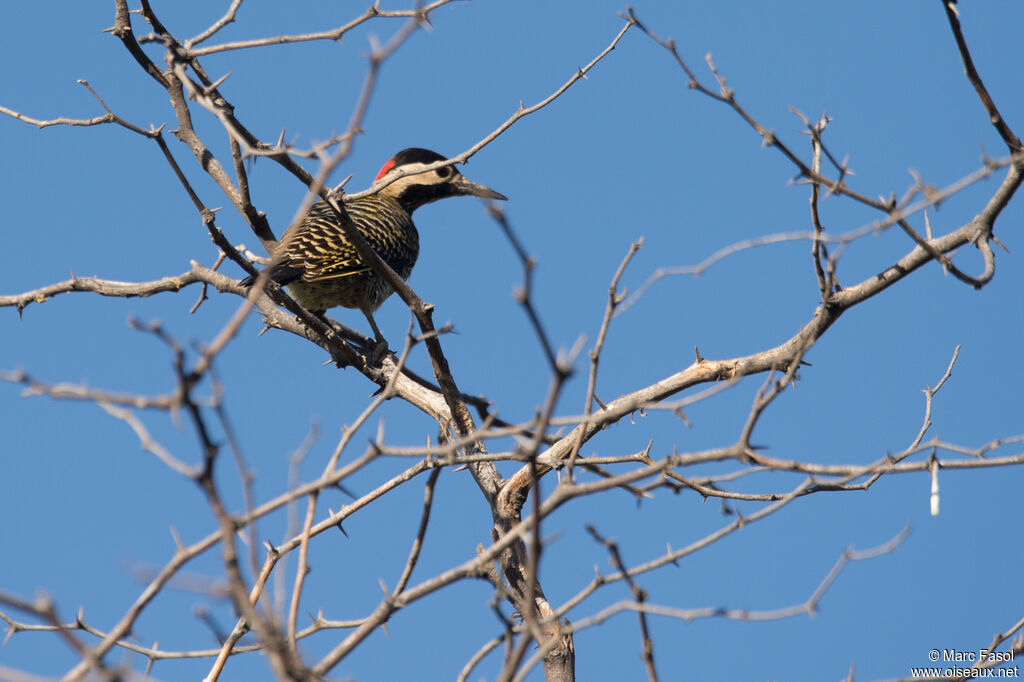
x: 318, y: 250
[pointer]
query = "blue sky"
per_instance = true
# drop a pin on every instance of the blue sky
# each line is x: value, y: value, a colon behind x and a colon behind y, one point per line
x: 629, y: 152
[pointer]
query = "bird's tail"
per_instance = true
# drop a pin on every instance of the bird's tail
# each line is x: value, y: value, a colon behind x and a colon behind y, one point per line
x: 281, y: 274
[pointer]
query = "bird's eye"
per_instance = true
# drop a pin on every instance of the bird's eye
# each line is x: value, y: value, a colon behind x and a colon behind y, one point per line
x: 444, y: 172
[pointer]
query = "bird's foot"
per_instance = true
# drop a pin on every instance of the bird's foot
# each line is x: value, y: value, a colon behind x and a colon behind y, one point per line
x: 379, y: 350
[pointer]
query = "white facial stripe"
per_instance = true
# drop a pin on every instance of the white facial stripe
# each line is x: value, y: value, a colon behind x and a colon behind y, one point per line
x: 421, y: 179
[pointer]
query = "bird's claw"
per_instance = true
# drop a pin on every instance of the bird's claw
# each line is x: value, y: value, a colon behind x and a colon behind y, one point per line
x: 379, y: 350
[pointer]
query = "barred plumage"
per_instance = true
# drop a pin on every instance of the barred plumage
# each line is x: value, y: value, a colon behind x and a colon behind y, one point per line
x: 323, y: 269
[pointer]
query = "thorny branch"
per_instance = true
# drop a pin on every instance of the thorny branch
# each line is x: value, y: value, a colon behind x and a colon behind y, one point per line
x: 895, y: 215
x: 372, y: 12
x: 639, y: 597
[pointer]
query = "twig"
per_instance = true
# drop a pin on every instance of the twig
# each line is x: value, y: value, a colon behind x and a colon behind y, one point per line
x: 639, y: 596
x: 1009, y: 137
x: 614, y: 299
x: 420, y: 14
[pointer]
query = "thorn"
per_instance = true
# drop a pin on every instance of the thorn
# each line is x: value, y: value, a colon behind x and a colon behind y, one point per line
x: 340, y: 185
x: 177, y: 539
x: 217, y: 83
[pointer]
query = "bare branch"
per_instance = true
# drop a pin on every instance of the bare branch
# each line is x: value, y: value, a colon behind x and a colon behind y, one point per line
x: 1012, y: 141
x: 372, y: 12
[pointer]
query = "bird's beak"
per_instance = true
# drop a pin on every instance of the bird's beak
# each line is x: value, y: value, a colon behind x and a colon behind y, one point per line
x: 465, y: 186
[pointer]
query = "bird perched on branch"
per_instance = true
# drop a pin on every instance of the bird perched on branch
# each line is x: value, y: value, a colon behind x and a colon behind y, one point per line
x: 323, y: 269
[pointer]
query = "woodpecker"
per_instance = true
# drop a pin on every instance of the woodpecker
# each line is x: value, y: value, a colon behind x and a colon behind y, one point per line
x: 323, y: 269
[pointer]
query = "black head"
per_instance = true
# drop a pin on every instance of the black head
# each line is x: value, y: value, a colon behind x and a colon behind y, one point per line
x: 413, y: 191
x: 407, y: 157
